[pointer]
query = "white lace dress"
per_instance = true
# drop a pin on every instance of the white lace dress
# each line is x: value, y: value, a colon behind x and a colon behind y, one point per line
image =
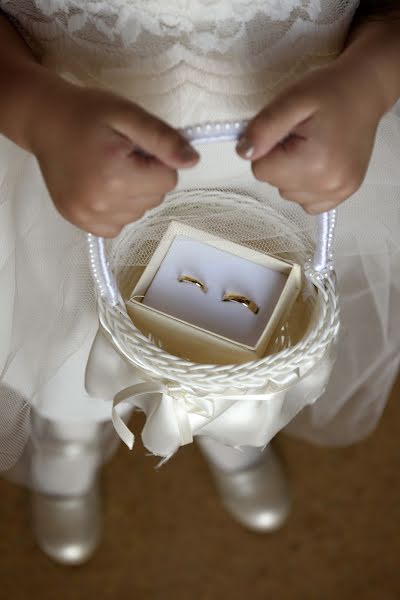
x: 187, y: 61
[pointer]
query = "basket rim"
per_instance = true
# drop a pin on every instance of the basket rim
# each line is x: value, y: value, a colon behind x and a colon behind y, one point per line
x: 154, y: 361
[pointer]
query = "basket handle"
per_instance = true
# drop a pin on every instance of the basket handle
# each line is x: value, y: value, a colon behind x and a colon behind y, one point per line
x: 225, y: 131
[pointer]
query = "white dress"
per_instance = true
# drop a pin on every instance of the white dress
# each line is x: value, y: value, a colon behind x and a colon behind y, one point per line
x: 187, y: 61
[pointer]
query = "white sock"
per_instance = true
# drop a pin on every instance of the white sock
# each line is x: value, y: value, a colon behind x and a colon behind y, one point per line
x: 229, y: 459
x: 65, y: 458
x: 62, y: 475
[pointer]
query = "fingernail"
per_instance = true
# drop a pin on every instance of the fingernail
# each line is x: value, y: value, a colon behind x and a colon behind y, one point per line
x: 245, y: 147
x: 189, y: 154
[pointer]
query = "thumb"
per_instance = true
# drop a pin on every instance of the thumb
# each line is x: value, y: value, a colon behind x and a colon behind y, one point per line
x: 273, y: 124
x: 155, y: 137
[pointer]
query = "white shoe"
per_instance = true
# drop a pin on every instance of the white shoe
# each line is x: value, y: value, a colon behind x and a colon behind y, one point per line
x: 257, y: 496
x: 67, y: 528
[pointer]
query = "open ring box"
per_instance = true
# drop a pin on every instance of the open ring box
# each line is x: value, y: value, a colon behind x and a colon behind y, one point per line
x: 196, y: 323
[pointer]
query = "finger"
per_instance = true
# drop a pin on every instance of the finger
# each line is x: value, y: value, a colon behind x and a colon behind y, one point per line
x: 134, y: 209
x: 320, y: 207
x: 154, y: 136
x: 106, y: 230
x: 121, y: 219
x: 115, y: 209
x: 321, y: 200
x: 311, y: 202
x: 149, y: 177
x: 112, y: 223
x: 293, y: 166
x: 132, y: 176
x: 274, y: 123
x: 307, y: 197
x: 143, y: 204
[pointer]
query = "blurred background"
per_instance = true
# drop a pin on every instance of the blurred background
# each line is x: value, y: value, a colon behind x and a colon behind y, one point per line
x: 168, y: 538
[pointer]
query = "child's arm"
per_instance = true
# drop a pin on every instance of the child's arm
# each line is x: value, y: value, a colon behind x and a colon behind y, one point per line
x: 374, y: 43
x: 376, y: 10
x: 22, y: 83
x: 84, y: 141
x: 315, y: 140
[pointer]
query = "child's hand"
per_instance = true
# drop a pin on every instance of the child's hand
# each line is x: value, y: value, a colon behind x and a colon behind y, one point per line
x: 315, y: 140
x: 85, y: 145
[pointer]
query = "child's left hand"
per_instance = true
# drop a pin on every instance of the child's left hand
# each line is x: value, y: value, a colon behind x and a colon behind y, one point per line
x: 314, y: 141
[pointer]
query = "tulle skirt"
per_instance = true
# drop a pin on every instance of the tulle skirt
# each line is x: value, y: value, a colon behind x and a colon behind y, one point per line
x: 48, y: 317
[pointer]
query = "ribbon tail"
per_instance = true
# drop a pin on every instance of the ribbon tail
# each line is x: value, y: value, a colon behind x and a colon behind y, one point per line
x: 130, y: 396
x: 182, y: 419
x: 122, y: 430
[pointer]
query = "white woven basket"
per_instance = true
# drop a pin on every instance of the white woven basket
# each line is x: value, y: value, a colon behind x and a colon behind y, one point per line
x: 200, y: 379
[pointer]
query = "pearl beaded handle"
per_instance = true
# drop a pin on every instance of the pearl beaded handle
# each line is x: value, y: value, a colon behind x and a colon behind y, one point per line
x: 227, y: 131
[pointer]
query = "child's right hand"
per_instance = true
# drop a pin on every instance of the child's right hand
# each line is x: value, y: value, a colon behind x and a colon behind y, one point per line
x: 85, y: 141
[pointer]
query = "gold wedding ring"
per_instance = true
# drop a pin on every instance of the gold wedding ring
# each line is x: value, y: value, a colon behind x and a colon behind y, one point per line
x: 243, y: 300
x: 194, y: 281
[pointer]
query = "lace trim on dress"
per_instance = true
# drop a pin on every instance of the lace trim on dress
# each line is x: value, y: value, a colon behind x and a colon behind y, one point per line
x: 205, y: 26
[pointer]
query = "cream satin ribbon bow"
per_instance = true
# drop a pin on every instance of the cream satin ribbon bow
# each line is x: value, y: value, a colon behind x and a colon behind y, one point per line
x: 184, y: 403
